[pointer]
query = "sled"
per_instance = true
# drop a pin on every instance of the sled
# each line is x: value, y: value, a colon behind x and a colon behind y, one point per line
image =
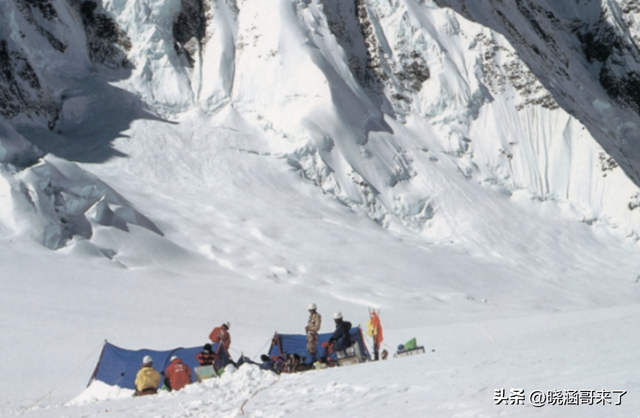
x: 412, y: 352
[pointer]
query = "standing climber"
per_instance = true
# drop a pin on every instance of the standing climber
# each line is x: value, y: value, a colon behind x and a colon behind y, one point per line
x: 312, y: 328
x: 341, y: 339
x: 147, y: 379
x: 177, y: 375
x: 221, y: 335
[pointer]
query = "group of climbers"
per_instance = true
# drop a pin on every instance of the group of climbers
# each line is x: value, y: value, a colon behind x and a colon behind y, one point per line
x: 339, y: 341
x: 177, y: 375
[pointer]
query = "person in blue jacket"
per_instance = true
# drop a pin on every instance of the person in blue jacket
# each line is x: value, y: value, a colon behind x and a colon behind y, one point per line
x: 267, y: 363
x: 341, y: 338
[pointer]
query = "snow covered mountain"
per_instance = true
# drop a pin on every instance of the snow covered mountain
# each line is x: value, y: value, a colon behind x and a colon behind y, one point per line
x: 370, y: 101
x: 449, y: 161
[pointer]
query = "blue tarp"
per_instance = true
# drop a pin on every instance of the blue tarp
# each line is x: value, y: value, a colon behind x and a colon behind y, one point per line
x: 119, y: 367
x: 297, y: 344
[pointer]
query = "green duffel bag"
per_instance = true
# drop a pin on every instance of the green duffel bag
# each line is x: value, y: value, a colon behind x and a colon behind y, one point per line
x: 410, y: 345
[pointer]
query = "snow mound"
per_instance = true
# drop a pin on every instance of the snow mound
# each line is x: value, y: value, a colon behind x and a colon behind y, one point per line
x: 99, y: 391
x: 229, y: 391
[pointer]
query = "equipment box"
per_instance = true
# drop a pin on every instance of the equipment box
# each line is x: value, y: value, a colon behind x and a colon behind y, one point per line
x: 350, y: 355
x: 350, y: 351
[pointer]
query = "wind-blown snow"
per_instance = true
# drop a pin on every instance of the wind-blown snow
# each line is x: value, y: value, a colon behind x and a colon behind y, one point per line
x: 193, y: 162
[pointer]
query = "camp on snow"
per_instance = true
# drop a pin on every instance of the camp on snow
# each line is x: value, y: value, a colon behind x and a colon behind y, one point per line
x: 283, y: 344
x: 118, y: 366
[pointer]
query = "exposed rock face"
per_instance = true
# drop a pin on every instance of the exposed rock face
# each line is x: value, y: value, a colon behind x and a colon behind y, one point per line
x: 189, y: 28
x: 21, y: 91
x: 25, y: 83
x: 350, y: 24
x: 606, y: 43
x: 106, y: 41
x: 378, y: 67
x: 40, y: 13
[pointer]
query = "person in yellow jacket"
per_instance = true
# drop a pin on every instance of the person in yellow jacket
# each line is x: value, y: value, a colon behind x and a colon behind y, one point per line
x: 147, y: 379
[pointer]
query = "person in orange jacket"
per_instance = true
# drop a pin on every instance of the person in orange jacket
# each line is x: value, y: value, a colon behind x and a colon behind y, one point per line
x: 147, y: 379
x: 221, y: 335
x: 177, y: 375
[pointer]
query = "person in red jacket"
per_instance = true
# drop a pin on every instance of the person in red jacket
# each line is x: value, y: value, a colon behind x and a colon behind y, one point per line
x: 221, y: 335
x: 177, y: 375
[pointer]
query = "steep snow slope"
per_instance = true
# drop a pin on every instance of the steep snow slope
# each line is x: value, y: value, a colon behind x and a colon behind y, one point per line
x: 347, y: 73
x: 585, y: 53
x: 360, y: 98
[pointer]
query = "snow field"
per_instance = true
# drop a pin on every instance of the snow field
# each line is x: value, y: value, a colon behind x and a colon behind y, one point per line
x: 464, y: 364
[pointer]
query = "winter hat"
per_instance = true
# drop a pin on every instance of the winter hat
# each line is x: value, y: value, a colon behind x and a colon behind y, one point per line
x: 207, y: 348
x: 147, y: 359
x: 174, y: 358
x: 227, y: 324
x: 312, y: 306
x: 337, y: 315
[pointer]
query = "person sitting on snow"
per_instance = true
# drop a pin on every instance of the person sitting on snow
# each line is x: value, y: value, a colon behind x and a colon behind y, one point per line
x: 267, y: 363
x: 206, y: 357
x: 177, y: 375
x: 221, y: 335
x: 341, y: 339
x: 147, y: 379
